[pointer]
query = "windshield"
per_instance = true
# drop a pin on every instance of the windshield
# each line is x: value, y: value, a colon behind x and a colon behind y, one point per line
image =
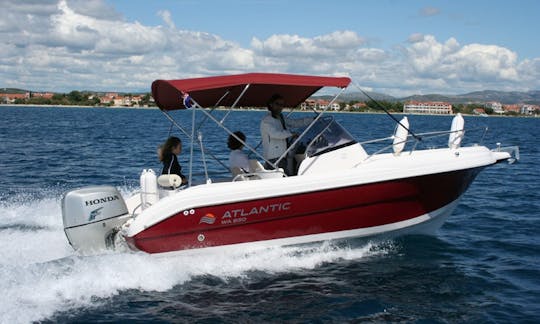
x: 324, y: 136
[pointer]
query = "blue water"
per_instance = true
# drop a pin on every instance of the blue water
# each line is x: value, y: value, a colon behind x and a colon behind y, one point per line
x: 484, y: 264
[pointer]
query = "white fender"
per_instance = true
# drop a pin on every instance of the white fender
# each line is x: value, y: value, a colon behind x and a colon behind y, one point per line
x: 169, y: 180
x: 456, y: 131
x: 149, y: 188
x: 400, y: 135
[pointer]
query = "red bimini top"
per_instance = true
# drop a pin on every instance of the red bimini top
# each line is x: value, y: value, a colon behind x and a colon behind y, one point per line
x: 225, y: 90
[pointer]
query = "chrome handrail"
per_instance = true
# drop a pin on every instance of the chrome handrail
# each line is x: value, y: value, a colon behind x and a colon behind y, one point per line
x: 425, y: 136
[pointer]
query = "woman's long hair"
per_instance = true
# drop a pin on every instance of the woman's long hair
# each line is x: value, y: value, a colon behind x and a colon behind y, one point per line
x: 166, y: 148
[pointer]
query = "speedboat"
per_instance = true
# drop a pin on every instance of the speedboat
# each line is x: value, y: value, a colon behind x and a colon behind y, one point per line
x: 339, y: 190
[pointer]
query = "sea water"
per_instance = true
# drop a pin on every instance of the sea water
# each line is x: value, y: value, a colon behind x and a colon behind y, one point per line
x: 483, y: 265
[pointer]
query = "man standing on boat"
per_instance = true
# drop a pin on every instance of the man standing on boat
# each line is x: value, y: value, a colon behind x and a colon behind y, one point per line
x: 276, y: 134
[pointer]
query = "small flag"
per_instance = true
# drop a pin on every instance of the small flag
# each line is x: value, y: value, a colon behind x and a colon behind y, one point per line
x: 186, y: 99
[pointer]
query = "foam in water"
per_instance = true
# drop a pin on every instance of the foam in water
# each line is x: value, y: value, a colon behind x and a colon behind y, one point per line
x: 42, y: 274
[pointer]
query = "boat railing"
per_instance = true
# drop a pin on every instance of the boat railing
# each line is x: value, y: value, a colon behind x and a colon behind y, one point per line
x: 420, y: 138
x: 513, y: 152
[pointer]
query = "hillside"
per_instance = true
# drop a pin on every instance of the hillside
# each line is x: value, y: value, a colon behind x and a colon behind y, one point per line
x: 12, y: 90
x: 358, y: 96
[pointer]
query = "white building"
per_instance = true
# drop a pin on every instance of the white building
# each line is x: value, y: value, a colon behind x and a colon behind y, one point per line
x: 529, y: 109
x: 335, y: 106
x: 496, y: 106
x: 429, y: 107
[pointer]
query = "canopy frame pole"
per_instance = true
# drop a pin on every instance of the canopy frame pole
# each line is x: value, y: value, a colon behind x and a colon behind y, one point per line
x: 196, y: 105
x: 213, y: 108
x: 191, y: 148
x: 173, y: 122
x: 235, y: 102
x: 319, y: 115
x: 199, y: 137
x: 189, y: 136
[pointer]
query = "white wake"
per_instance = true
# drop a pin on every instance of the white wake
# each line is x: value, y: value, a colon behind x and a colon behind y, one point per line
x: 41, y: 274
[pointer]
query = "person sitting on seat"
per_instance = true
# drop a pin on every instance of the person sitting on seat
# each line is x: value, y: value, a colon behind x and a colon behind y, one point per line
x: 238, y: 160
x: 169, y: 152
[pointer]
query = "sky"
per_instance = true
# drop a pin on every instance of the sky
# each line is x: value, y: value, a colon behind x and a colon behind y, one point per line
x: 395, y: 47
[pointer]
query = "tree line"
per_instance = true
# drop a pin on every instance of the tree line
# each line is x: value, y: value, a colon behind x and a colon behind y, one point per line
x: 76, y: 98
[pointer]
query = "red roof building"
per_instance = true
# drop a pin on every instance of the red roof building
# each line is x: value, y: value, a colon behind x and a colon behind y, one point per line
x: 46, y: 95
x: 512, y: 108
x: 11, y: 97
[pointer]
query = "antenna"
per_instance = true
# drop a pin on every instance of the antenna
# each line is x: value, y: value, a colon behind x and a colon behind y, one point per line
x: 418, y: 138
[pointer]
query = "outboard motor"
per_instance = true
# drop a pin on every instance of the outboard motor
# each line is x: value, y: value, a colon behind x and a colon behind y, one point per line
x: 92, y: 216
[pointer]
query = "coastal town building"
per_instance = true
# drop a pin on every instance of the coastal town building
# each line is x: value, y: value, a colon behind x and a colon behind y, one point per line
x: 308, y: 104
x: 530, y: 109
x: 428, y: 107
x: 10, y: 98
x: 319, y: 104
x: 355, y: 106
x: 497, y: 107
x: 512, y: 108
x: 44, y: 95
x: 108, y: 98
x: 359, y: 105
x: 115, y: 99
x: 479, y: 111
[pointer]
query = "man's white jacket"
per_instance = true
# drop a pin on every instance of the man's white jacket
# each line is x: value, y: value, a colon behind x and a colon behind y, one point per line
x: 274, y: 137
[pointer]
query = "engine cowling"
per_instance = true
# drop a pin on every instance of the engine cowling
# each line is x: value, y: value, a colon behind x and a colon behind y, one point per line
x: 92, y: 216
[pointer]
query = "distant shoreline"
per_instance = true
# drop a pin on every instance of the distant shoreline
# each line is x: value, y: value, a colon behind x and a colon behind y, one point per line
x: 251, y: 109
x: 73, y: 106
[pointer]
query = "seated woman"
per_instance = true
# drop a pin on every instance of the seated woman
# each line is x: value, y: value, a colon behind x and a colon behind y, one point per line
x: 238, y: 160
x: 168, y: 155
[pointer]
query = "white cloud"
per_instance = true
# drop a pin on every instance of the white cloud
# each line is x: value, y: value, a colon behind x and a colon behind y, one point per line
x: 529, y: 71
x: 167, y: 18
x: 95, y: 9
x: 70, y: 46
x: 480, y: 62
x: 66, y: 45
x: 294, y: 45
x: 426, y: 54
x: 339, y: 39
x: 468, y: 67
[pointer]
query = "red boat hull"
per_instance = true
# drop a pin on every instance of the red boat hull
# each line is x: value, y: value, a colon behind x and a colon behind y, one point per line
x: 317, y: 212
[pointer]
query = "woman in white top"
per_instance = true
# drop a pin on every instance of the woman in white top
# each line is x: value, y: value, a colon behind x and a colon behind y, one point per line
x: 238, y: 160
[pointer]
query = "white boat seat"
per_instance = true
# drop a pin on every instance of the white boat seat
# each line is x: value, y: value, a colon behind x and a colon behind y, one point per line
x: 255, y: 166
x: 236, y: 171
x: 257, y: 171
x: 169, y: 180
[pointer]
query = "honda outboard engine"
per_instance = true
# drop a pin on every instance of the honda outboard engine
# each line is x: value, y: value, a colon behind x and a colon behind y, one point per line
x: 92, y: 216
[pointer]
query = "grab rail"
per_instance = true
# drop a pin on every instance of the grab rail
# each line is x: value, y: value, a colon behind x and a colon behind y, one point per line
x: 424, y: 136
